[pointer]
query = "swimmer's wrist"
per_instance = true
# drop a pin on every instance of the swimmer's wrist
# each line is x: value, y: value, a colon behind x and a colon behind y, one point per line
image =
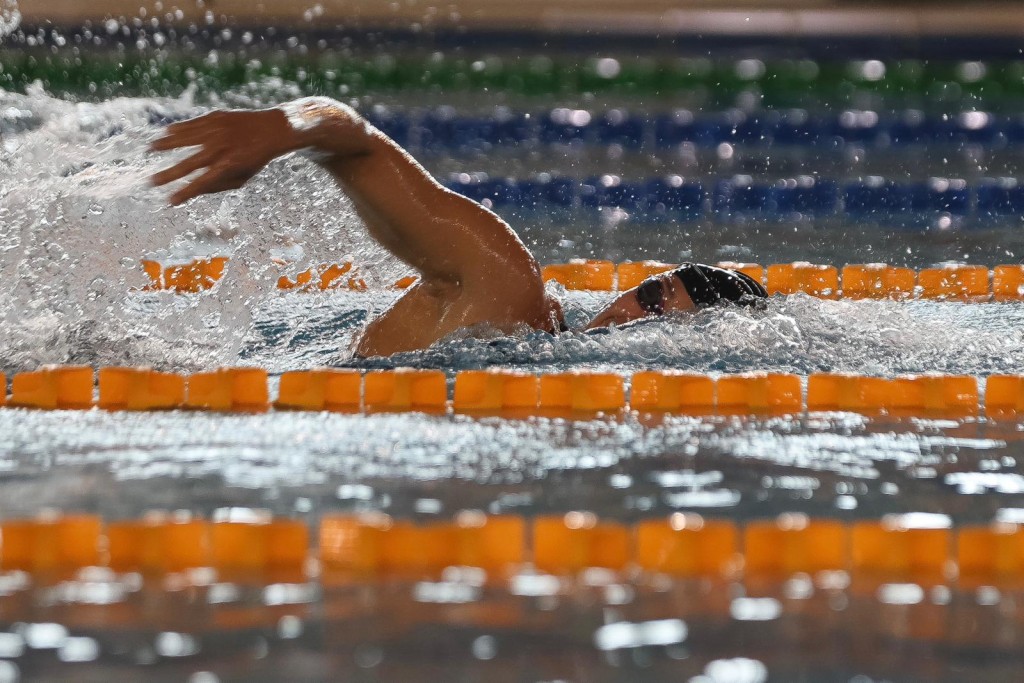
x: 321, y: 126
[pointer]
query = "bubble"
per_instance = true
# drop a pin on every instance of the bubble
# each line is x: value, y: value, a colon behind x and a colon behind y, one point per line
x: 10, y: 17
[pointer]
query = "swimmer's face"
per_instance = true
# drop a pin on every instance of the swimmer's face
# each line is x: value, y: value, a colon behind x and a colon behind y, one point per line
x: 655, y: 296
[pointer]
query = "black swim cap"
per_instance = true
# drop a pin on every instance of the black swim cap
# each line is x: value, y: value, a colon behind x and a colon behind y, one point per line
x: 710, y: 285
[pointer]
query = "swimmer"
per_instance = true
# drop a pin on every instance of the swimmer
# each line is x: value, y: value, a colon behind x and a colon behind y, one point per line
x: 474, y: 270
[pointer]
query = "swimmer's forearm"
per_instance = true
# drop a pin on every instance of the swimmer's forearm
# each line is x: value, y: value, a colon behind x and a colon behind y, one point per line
x: 330, y: 128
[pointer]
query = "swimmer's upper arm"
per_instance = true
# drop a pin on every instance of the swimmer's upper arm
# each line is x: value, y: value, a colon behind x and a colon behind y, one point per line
x: 443, y: 235
x: 449, y: 239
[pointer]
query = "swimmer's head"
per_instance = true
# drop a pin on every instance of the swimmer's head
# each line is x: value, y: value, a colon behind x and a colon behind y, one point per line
x: 688, y: 288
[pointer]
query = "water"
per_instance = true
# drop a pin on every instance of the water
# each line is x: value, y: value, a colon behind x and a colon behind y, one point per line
x: 77, y: 216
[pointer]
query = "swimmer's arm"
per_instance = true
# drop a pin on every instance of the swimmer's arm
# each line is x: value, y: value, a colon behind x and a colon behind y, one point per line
x: 449, y: 239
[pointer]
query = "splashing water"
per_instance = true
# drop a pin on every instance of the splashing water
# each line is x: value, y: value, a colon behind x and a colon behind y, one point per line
x: 10, y: 17
x: 77, y: 214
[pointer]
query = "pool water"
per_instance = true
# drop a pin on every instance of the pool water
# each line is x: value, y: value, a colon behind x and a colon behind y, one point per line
x: 77, y: 216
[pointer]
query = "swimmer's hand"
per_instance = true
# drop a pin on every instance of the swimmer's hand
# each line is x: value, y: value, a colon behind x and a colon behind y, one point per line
x: 233, y: 147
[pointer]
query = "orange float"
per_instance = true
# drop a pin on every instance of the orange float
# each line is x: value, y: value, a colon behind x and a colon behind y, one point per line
x: 816, y: 280
x: 581, y: 392
x: 50, y: 543
x: 496, y: 392
x: 838, y: 391
x: 672, y: 392
x: 53, y: 387
x: 159, y: 542
x: 878, y: 281
x: 910, y: 547
x: 352, y: 545
x: 582, y: 274
x: 687, y: 544
x: 949, y: 395
x: 416, y: 550
x: 759, y: 393
x: 990, y: 554
x: 569, y: 543
x: 324, y: 277
x: 793, y: 543
x: 238, y: 546
x: 405, y: 389
x: 226, y: 389
x: 196, y: 276
x: 1004, y: 396
x: 494, y: 543
x: 325, y: 389
x: 139, y: 389
x: 954, y: 282
x: 1008, y: 283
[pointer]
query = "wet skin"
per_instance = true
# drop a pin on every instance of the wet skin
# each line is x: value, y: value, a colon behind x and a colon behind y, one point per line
x: 626, y: 307
x: 473, y: 268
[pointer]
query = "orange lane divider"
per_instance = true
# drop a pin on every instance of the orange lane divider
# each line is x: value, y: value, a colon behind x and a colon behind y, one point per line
x: 1004, y: 396
x: 568, y: 393
x: 878, y: 281
x: 793, y: 543
x: 945, y: 395
x: 673, y: 392
x: 405, y: 390
x: 1008, y: 283
x: 229, y: 389
x: 990, y: 553
x: 247, y: 544
x: 966, y: 283
x: 791, y: 278
x: 252, y: 543
x: 909, y: 547
x: 197, y: 276
x: 139, y: 389
x: 369, y: 543
x: 323, y: 389
x: 687, y: 544
x: 502, y: 392
x: 50, y: 543
x: 239, y: 543
x: 759, y: 393
x: 630, y: 274
x: 566, y: 544
x: 159, y: 542
x: 851, y: 393
x: 496, y: 392
x: 858, y: 281
x: 324, y: 277
x: 53, y: 387
x: 908, y: 396
x: 582, y: 274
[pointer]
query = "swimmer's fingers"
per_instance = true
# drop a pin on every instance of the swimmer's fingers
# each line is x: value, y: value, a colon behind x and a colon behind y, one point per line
x: 189, y: 133
x: 183, y: 168
x: 218, y: 178
x: 174, y: 141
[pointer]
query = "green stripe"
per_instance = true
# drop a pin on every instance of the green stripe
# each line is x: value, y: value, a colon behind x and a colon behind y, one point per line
x: 779, y: 83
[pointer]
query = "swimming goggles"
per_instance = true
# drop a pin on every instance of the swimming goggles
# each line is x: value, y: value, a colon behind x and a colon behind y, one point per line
x: 651, y: 296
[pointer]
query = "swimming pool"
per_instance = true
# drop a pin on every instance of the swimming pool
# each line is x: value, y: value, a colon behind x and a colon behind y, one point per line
x: 76, y: 180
